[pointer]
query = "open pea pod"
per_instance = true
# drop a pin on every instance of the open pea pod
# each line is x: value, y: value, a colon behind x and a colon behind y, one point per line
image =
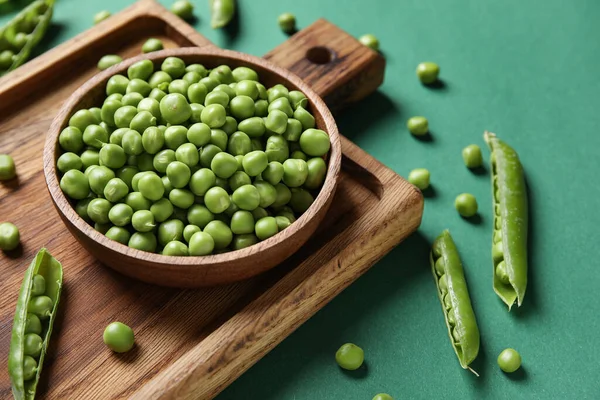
x: 32, y: 326
x: 22, y: 33
x: 454, y: 296
x: 509, y: 241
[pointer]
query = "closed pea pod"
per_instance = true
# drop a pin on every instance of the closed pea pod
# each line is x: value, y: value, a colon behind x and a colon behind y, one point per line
x: 454, y: 297
x: 509, y: 246
x: 26, y: 355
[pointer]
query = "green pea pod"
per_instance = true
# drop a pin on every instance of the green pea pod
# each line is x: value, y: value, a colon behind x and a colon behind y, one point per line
x: 221, y: 12
x: 454, y: 296
x: 22, y: 33
x: 509, y: 241
x: 20, y: 356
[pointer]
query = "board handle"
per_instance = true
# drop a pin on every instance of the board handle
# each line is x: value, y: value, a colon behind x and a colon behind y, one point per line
x: 336, y: 65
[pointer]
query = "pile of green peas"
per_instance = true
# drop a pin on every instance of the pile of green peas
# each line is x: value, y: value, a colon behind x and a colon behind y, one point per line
x: 184, y: 160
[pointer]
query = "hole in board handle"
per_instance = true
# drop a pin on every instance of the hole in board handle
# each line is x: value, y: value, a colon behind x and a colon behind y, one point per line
x: 319, y: 55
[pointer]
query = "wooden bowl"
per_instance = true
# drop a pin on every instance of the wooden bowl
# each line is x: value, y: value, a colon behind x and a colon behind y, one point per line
x: 206, y: 270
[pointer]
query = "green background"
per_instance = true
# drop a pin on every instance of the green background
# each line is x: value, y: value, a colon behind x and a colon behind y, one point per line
x: 527, y: 70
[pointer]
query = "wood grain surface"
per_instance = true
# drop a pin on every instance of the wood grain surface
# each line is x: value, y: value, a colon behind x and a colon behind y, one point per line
x: 189, y: 343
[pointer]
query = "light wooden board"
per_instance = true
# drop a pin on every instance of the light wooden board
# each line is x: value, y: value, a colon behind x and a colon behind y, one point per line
x: 190, y: 343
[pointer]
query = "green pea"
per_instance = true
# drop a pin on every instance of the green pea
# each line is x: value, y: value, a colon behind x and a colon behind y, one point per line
x: 282, y: 104
x: 276, y: 121
x: 120, y: 214
x: 38, y: 285
x: 179, y: 86
x: 143, y: 221
x: 370, y: 41
x: 71, y: 139
x: 305, y: 118
x: 82, y: 119
x: 261, y: 108
x: 153, y: 140
x: 472, y: 156
x: 242, y: 222
x: 217, y: 200
x: 196, y: 113
x: 283, y: 196
x: 98, y: 178
x: 102, y: 228
x: 98, y: 210
x: 68, y: 161
x: 175, y: 108
x: 112, y: 156
x: 266, y: 227
x: 124, y: 115
x: 33, y: 324
x: 169, y: 231
x: 224, y: 165
x: 267, y: 192
x: 199, y: 215
x: 95, y: 136
x: 498, y: 252
x: 277, y: 149
x: 158, y: 78
x: 140, y: 70
x: 41, y: 306
x: 144, y: 241
x: 75, y: 184
x: 217, y: 97
x: 242, y: 107
x: 116, y: 84
x: 132, y: 143
x: 199, y: 134
x: 101, y: 16
x: 181, y: 198
x: 293, y: 131
x: 201, y: 181
x: 448, y: 305
x: 298, y: 99
x: 443, y: 285
x: 301, y: 199
x: 116, y: 137
x: 440, y: 268
x: 118, y: 234
x: 239, y: 144
x: 509, y: 360
x: 247, y: 88
x: 420, y: 178
x: 350, y: 357
x: 287, y: 22
x: 108, y: 61
x: 466, y: 205
x: 282, y: 222
x: 179, y: 174
x: 175, y: 248
x: 242, y: 241
x: 382, y: 396
x: 210, y: 83
x: 174, y: 66
x: 145, y: 162
x: 214, y: 115
x: 277, y: 92
x: 255, y: 162
x: 142, y: 121
x: 222, y: 73
x: 198, y: 68
x: 501, y: 273
x: 118, y: 337
x: 295, y: 172
x: 109, y: 108
x: 317, y: 170
x: 81, y: 208
x: 428, y: 72
x: 161, y: 210
x: 259, y: 213
x: 239, y: 179
x: 138, y: 86
x: 219, y: 138
x: 274, y: 172
x: 191, y: 78
x: 29, y: 368
x: 152, y: 45
x: 114, y: 96
x: 244, y: 73
x: 115, y: 190
x: 162, y: 159
x: 6, y: 59
x: 418, y: 126
x: 201, y: 244
x: 240, y: 159
x: 315, y: 142
x: 151, y: 187
x: 189, y: 231
x: 246, y: 197
x: 253, y: 127
x: 287, y: 212
x: 220, y: 232
x: 137, y: 201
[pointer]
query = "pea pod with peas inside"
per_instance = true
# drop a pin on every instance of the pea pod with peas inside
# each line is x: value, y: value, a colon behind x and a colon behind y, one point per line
x: 34, y: 316
x: 509, y: 241
x: 20, y: 35
x: 454, y: 296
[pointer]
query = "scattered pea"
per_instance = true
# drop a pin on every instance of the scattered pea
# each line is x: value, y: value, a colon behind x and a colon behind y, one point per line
x: 108, y: 61
x: 287, y: 22
x: 183, y: 9
x: 101, y: 16
x: 7, y: 167
x: 370, y: 41
x: 349, y: 356
x: 428, y: 72
x: 118, y: 337
x: 9, y: 236
x: 472, y: 156
x: 509, y: 360
x: 466, y: 205
x: 418, y: 126
x: 419, y: 177
x: 151, y: 45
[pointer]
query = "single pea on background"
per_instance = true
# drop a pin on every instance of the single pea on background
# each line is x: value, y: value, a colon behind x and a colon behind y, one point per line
x: 507, y: 67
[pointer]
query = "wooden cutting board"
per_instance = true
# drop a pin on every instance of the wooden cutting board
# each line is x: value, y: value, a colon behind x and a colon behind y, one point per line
x: 190, y: 343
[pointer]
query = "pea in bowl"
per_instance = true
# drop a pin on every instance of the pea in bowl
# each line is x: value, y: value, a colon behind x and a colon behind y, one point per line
x: 177, y: 168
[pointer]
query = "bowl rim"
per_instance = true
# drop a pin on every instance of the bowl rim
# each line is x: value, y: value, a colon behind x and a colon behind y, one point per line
x: 64, y: 206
